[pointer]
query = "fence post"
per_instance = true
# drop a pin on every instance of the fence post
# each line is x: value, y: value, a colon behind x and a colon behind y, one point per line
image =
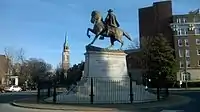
x: 48, y: 92
x: 166, y: 87
x: 131, y: 88
x: 38, y: 92
x: 158, y: 87
x: 92, y: 93
x: 54, y: 92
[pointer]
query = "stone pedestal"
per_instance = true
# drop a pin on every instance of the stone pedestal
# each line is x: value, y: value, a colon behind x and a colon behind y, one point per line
x: 111, y: 84
x: 106, y: 65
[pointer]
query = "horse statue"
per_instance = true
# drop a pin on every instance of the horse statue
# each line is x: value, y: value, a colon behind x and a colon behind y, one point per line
x: 99, y: 29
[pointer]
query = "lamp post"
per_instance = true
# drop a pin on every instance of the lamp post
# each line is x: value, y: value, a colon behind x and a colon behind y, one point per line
x: 146, y: 81
x: 158, y: 86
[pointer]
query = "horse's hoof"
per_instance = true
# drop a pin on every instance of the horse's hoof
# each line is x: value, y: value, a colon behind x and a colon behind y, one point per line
x: 88, y: 36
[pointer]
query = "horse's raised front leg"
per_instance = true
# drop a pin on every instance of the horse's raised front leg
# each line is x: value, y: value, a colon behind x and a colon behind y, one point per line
x: 89, y: 30
x: 95, y: 38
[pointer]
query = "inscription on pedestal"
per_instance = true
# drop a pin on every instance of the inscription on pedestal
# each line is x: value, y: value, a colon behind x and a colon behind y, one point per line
x: 109, y: 66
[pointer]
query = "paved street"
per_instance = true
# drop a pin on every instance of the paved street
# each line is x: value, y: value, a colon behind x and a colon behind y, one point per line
x: 6, y: 98
x: 193, y: 106
x: 8, y: 108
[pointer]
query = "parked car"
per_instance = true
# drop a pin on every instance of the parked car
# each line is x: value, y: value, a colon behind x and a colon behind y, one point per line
x: 13, y: 89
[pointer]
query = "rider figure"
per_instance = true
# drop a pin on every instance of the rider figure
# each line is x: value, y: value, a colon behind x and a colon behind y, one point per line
x: 111, y: 20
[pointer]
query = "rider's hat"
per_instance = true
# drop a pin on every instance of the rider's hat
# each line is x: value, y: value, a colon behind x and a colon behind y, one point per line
x: 110, y: 10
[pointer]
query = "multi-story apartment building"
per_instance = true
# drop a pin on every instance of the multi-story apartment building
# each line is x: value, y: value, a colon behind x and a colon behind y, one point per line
x: 152, y: 20
x: 182, y: 31
x: 156, y: 19
x: 186, y: 34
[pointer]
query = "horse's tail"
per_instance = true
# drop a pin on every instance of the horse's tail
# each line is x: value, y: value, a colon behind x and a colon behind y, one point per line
x: 127, y: 35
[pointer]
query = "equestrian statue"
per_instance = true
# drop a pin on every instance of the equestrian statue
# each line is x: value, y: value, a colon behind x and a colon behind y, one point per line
x: 108, y: 28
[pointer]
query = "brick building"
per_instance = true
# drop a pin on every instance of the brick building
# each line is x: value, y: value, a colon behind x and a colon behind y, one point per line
x: 4, y: 69
x: 182, y: 31
x: 152, y: 20
x: 156, y: 19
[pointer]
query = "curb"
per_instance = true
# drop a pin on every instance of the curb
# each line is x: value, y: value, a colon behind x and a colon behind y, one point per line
x: 46, y: 108
x: 160, y: 104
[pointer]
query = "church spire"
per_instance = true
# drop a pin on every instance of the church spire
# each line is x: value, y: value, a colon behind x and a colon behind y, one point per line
x: 66, y: 46
x: 65, y: 54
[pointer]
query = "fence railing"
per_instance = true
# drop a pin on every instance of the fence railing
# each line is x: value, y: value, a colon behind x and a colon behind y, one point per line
x: 99, y: 90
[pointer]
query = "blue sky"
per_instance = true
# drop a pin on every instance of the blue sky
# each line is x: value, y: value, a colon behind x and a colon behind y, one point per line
x: 39, y: 26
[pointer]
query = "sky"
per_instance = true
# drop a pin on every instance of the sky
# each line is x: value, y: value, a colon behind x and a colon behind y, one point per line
x: 39, y: 26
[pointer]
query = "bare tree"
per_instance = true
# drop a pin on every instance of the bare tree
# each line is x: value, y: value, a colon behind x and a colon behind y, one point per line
x: 37, y: 68
x: 15, y: 57
x: 135, y: 44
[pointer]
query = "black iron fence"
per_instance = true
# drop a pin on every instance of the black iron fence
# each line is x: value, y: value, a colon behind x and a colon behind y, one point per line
x: 97, y: 90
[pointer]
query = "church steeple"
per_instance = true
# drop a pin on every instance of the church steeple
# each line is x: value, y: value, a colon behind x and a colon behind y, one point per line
x: 66, y: 45
x: 65, y: 54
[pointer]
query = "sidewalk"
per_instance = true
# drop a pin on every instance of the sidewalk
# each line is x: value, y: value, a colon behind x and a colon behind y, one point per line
x: 174, y: 100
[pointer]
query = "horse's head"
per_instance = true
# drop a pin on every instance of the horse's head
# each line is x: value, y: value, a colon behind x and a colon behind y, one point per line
x: 95, y: 16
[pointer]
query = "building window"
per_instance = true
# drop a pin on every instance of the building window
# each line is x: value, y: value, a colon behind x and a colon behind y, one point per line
x: 178, y: 32
x: 185, y: 31
x: 180, y: 42
x: 197, y: 31
x: 182, y: 31
x: 198, y: 51
x: 180, y: 53
x: 191, y: 27
x: 188, y: 63
x: 198, y: 62
x: 197, y: 41
x: 178, y: 20
x: 186, y: 76
x: 181, y: 64
x: 184, y: 20
x: 186, y: 42
x: 174, y: 27
x: 187, y: 53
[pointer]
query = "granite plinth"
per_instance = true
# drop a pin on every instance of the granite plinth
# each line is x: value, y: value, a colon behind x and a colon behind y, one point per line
x: 111, y: 83
x: 105, y: 64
